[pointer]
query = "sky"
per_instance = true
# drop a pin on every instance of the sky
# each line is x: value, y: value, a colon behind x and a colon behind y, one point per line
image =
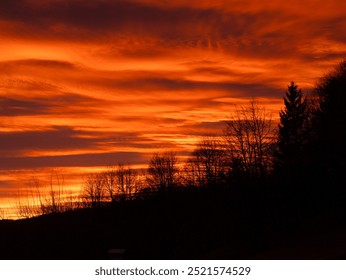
x: 86, y: 84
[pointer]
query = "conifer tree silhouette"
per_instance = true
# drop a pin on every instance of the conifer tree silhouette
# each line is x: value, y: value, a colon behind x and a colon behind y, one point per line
x: 291, y: 138
x: 330, y: 124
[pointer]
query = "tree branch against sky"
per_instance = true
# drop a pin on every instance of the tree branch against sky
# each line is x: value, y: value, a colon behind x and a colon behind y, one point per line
x: 249, y: 136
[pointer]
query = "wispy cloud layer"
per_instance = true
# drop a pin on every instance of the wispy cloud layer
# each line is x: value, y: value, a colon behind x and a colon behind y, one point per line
x: 86, y: 83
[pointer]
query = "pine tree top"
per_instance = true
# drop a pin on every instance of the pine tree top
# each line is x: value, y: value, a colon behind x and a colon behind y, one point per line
x: 295, y: 105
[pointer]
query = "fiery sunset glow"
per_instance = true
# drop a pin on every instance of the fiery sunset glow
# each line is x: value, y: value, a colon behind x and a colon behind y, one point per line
x: 85, y: 84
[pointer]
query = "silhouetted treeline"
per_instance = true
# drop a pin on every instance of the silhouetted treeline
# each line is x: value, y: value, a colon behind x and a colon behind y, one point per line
x: 306, y: 150
x: 259, y: 190
x: 312, y: 134
x: 328, y: 149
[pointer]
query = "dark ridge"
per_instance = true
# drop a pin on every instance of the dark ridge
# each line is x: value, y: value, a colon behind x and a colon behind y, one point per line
x: 209, y: 223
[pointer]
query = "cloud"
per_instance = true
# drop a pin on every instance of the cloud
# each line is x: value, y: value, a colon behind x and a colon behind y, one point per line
x: 154, y: 84
x: 69, y: 140
x: 42, y: 63
x: 203, y: 128
x: 59, y: 138
x: 15, y: 107
x: 54, y: 104
x: 166, y: 86
x: 256, y: 29
x: 27, y: 67
x: 81, y: 160
x: 185, y: 25
x: 148, y: 29
x: 107, y: 17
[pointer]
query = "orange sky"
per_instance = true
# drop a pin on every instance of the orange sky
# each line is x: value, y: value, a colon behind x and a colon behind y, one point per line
x: 91, y: 83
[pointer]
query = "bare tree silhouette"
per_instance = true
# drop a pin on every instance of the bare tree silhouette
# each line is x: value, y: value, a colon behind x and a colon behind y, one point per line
x: 163, y: 171
x: 192, y: 173
x: 94, y: 190
x: 209, y: 162
x: 110, y: 182
x: 249, y: 138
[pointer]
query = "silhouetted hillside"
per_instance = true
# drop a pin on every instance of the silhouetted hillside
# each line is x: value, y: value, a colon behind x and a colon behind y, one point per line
x: 251, y: 222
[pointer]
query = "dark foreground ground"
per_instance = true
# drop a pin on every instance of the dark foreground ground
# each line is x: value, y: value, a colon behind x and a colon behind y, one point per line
x: 188, y: 224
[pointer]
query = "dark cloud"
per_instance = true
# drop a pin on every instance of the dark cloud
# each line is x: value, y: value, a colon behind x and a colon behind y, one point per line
x: 140, y: 53
x: 256, y: 32
x: 104, y: 16
x: 16, y: 107
x: 37, y: 63
x: 167, y: 84
x: 67, y: 139
x: 82, y: 160
x: 115, y: 15
x: 56, y: 139
x: 217, y: 70
x: 134, y: 141
x: 25, y: 65
x: 67, y: 103
x: 173, y: 26
x: 204, y: 128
